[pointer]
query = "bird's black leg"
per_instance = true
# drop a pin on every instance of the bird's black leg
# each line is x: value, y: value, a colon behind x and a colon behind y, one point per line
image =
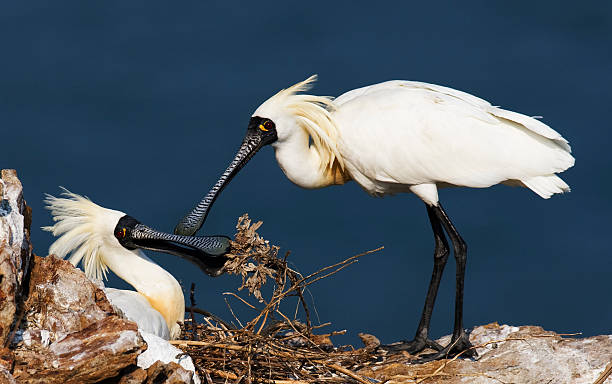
x: 441, y: 252
x: 459, y: 341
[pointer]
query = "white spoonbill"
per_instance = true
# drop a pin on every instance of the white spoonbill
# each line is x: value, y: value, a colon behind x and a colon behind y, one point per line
x: 105, y: 239
x: 403, y: 136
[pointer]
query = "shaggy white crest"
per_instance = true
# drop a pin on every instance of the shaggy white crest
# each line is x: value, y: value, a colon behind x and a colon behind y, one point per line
x: 86, y: 229
x: 313, y: 114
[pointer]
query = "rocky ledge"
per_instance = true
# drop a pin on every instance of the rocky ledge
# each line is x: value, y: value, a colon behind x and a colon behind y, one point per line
x: 508, y: 354
x: 57, y: 326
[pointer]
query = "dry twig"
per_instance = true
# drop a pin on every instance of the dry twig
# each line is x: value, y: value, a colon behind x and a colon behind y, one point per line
x: 276, y: 351
x: 604, y: 374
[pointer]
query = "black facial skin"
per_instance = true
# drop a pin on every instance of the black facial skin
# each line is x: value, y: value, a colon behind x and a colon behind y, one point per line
x: 261, y: 132
x: 207, y: 252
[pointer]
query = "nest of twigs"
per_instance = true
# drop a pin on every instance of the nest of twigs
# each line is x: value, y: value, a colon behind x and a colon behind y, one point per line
x: 272, y: 347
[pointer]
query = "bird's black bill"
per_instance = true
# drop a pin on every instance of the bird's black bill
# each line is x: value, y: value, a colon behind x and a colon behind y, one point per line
x: 253, y: 141
x: 207, y: 252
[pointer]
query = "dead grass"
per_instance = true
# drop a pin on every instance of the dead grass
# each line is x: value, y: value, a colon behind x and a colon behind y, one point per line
x: 273, y: 347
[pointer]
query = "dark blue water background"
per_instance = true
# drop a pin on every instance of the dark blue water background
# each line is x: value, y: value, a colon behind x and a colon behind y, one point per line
x: 141, y: 105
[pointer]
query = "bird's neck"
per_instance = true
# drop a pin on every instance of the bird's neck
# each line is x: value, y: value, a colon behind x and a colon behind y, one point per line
x: 160, y: 288
x: 301, y: 162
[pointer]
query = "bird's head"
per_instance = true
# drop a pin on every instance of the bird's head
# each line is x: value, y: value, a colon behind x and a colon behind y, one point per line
x: 274, y: 122
x: 88, y: 232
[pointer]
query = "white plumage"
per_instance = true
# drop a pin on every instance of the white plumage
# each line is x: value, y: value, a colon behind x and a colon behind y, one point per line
x: 401, y: 136
x: 85, y: 231
x: 137, y: 308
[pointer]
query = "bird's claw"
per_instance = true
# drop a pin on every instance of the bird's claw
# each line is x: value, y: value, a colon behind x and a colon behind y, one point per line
x: 460, y: 345
x: 411, y: 346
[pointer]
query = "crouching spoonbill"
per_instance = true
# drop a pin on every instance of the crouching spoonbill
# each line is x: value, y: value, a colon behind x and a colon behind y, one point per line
x: 403, y: 136
x: 103, y: 239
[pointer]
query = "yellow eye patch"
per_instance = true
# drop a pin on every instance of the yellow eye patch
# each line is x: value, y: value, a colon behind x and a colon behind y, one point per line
x: 120, y: 234
x: 261, y: 126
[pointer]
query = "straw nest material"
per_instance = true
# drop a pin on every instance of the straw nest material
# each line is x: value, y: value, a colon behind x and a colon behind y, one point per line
x: 273, y: 347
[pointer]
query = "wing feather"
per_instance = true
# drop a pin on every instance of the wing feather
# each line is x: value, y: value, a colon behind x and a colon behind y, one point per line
x: 402, y: 132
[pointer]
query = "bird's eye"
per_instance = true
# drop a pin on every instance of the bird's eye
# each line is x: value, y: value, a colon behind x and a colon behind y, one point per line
x: 120, y: 234
x: 266, y: 125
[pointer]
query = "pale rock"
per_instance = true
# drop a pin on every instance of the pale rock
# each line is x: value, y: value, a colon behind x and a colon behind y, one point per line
x: 159, y: 349
x: 15, y: 249
x: 69, y: 330
x: 170, y: 373
x: 6, y: 377
x: 506, y: 354
x: 65, y: 330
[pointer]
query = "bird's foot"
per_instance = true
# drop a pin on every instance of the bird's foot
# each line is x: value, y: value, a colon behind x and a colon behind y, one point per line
x: 460, y: 345
x: 411, y: 346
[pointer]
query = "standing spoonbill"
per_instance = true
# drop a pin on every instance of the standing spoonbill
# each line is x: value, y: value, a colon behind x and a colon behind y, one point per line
x: 403, y: 136
x: 105, y: 239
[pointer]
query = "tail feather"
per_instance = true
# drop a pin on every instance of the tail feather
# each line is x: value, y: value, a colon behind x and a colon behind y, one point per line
x: 546, y: 186
x: 533, y: 125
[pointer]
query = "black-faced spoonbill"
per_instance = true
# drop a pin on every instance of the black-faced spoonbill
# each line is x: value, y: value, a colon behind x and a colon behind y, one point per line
x: 403, y: 136
x: 105, y: 239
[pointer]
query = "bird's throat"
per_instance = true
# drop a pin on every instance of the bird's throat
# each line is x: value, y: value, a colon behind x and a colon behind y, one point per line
x: 301, y: 163
x: 158, y: 286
